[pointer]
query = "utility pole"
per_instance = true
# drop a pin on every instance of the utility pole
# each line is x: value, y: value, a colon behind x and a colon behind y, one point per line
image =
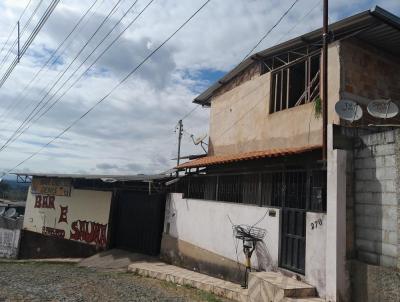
x: 325, y: 81
x: 179, y: 141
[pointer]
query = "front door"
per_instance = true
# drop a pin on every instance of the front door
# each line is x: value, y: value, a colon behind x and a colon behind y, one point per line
x: 293, y: 236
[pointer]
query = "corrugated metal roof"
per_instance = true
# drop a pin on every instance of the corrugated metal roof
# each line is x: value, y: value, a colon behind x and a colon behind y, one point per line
x: 138, y: 177
x: 376, y: 26
x: 224, y: 159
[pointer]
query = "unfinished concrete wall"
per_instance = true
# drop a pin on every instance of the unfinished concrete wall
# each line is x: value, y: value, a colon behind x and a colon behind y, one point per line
x: 369, y: 72
x: 240, y: 118
x: 376, y: 172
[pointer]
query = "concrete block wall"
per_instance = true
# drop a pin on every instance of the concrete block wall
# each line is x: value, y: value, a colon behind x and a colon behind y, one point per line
x: 376, y: 166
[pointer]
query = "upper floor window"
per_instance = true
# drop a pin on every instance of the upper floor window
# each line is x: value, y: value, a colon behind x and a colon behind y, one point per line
x: 296, y: 84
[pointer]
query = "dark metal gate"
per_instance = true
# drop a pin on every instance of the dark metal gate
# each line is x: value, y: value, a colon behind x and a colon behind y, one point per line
x: 138, y: 222
x: 293, y: 236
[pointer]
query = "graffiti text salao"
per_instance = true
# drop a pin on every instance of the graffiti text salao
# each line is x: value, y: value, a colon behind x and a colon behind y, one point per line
x: 89, y: 232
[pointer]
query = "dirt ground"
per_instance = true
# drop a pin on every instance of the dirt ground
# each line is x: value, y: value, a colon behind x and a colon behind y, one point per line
x: 68, y: 282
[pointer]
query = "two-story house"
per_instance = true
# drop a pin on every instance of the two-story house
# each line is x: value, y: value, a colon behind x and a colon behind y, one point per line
x: 264, y: 166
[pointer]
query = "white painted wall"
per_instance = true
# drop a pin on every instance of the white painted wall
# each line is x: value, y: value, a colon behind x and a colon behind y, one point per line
x: 206, y: 224
x: 9, y: 241
x: 337, y: 278
x: 316, y: 251
x: 83, y: 205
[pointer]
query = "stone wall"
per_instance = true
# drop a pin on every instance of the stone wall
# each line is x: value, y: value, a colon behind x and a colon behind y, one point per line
x: 376, y: 198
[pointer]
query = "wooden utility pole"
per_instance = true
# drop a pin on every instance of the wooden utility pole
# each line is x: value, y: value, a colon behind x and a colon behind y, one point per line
x: 179, y: 141
x: 325, y: 81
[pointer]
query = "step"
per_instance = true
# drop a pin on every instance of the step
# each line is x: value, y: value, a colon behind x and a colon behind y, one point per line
x: 275, y: 287
x: 178, y: 275
x: 303, y: 300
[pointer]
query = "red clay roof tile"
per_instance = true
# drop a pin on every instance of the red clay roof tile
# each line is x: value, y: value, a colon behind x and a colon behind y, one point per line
x: 224, y: 159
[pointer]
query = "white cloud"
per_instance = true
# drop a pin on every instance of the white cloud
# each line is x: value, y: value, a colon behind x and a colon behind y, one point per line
x: 133, y: 131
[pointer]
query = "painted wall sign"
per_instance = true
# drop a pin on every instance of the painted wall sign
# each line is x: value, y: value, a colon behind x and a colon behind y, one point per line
x: 51, y: 186
x: 44, y: 201
x: 81, y: 215
x: 53, y: 232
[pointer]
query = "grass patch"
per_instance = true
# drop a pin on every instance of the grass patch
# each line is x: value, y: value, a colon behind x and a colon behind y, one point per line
x: 206, y: 296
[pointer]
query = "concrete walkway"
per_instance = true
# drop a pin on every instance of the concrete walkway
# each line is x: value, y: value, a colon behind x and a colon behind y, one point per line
x: 283, y: 289
x: 263, y: 286
x: 171, y: 273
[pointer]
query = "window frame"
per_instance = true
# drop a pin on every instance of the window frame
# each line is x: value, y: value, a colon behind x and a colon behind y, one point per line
x: 308, y: 81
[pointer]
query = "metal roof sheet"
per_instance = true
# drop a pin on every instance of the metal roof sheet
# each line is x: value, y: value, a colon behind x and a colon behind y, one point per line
x: 224, y: 159
x: 376, y: 26
x: 138, y: 177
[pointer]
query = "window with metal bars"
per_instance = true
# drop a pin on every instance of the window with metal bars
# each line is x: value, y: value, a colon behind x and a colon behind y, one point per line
x: 295, y: 84
x: 300, y: 189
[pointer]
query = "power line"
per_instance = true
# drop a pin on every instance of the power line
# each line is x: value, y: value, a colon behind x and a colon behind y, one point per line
x: 258, y: 43
x: 31, y: 18
x: 16, y: 135
x: 299, y: 21
x: 271, y: 29
x: 23, y: 30
x: 59, y: 56
x: 19, y: 97
x: 114, y: 88
x: 30, y: 39
x: 32, y: 114
x: 15, y: 26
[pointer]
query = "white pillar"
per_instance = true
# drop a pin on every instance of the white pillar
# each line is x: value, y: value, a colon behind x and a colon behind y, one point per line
x: 337, y: 282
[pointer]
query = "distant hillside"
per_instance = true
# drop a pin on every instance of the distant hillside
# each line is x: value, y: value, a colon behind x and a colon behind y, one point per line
x: 13, y: 190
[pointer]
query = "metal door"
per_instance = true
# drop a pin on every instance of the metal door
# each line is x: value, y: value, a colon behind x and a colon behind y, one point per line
x: 138, y: 222
x: 293, y: 236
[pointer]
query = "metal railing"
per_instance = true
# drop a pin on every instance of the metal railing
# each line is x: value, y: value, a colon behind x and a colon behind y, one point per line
x: 301, y: 189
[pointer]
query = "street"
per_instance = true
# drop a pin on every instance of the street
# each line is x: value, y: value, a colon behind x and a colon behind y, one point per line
x: 66, y: 282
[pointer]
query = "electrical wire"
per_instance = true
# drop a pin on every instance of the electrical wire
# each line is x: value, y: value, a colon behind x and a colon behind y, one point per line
x: 19, y: 98
x: 30, y: 39
x: 270, y: 30
x: 15, y: 26
x: 23, y: 30
x: 17, y: 135
x: 122, y: 81
x: 33, y: 113
x: 300, y: 20
x: 21, y: 33
x: 190, y: 112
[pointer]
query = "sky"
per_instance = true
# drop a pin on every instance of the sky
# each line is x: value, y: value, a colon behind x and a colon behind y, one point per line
x: 134, y: 129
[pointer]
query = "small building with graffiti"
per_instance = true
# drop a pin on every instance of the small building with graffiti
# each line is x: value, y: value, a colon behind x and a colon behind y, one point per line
x: 70, y: 215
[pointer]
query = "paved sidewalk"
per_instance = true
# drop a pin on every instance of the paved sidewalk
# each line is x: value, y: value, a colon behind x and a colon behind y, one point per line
x: 162, y: 271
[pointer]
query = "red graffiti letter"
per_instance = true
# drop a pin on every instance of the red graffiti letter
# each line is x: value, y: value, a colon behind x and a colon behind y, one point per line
x: 63, y: 214
x: 38, y: 201
x: 76, y: 234
x: 44, y: 201
x: 51, y: 202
